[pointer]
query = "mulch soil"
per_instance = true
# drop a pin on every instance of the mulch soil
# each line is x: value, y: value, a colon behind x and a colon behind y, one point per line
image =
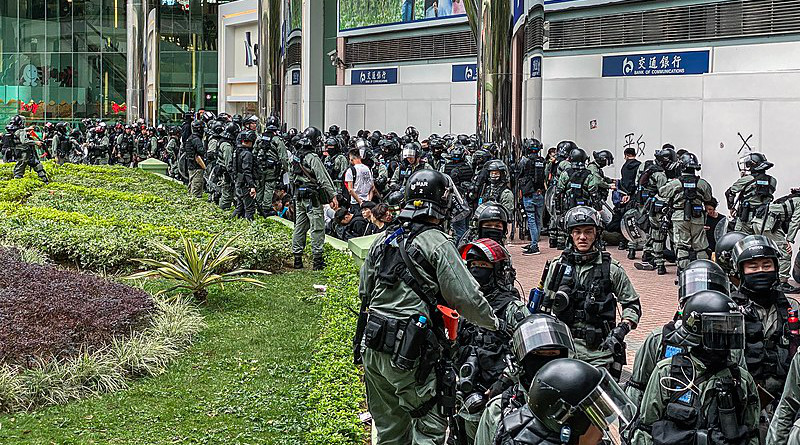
x: 50, y: 313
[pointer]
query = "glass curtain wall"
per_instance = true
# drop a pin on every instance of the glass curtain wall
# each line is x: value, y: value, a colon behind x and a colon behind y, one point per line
x: 62, y: 59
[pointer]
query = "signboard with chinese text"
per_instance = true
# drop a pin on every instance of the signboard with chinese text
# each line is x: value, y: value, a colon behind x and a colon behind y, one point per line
x: 465, y: 73
x: 536, y: 66
x: 374, y: 76
x: 657, y: 64
x: 295, y: 77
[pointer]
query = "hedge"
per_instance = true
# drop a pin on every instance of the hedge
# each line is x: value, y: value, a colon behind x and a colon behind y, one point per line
x: 337, y: 396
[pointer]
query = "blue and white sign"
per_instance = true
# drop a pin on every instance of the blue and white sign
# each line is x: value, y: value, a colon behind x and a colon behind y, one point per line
x: 465, y: 73
x: 519, y: 12
x: 536, y: 66
x: 375, y: 76
x: 657, y: 64
x: 295, y: 77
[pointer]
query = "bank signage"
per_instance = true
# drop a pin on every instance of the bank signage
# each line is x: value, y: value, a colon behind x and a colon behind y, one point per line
x: 465, y: 73
x: 536, y: 66
x: 657, y: 64
x: 376, y: 76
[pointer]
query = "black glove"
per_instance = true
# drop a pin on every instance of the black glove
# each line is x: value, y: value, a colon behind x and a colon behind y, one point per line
x: 615, y: 342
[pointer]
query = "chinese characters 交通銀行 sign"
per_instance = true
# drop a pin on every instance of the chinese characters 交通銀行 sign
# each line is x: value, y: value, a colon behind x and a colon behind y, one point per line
x: 373, y: 76
x: 657, y: 64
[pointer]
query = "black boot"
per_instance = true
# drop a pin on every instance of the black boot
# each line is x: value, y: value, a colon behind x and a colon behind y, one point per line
x: 662, y: 270
x: 319, y: 262
x: 298, y: 261
x: 623, y: 245
x: 551, y: 241
x: 647, y: 257
x: 631, y: 254
x: 561, y: 245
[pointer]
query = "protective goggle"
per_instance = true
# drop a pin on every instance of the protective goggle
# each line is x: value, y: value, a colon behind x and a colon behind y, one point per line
x: 723, y: 331
x: 692, y: 281
x: 536, y: 333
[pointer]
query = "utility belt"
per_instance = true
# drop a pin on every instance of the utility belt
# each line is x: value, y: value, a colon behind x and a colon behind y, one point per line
x: 692, y: 210
x: 747, y: 212
x: 307, y: 191
x: 592, y: 335
x: 270, y: 164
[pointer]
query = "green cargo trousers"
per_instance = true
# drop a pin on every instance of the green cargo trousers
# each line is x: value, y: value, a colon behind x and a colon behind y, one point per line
x: 391, y: 394
x: 226, y: 197
x: 308, y: 216
x: 689, y: 236
x: 196, y: 183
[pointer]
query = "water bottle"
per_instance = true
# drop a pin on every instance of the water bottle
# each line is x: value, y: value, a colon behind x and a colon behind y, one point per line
x: 794, y: 323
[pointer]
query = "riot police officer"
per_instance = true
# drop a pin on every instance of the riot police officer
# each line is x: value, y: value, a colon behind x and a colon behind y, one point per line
x: 24, y: 148
x: 461, y: 172
x: 497, y: 189
x: 193, y: 150
x: 701, y: 395
x: 553, y: 172
x: 409, y: 273
x: 481, y: 353
x: 749, y: 197
x: 651, y: 176
x: 664, y: 342
x: 245, y: 172
x: 784, y: 428
x: 335, y: 161
x: 490, y: 220
x: 273, y: 160
x: 312, y: 187
x: 576, y: 186
x: 99, y: 145
x: 600, y: 160
x: 686, y: 197
x: 564, y: 405
x: 410, y: 163
x: 226, y: 153
x: 769, y: 343
x: 124, y: 147
x: 531, y: 183
x: 583, y: 287
x: 723, y: 255
x: 537, y: 340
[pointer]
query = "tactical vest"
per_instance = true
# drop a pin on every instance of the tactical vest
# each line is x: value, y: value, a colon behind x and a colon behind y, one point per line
x: 9, y: 141
x: 689, y: 200
x: 267, y: 156
x: 492, y: 193
x: 301, y: 168
x: 532, y: 176
x: 406, y: 170
x: 648, y: 189
x: 687, y: 415
x: 331, y: 167
x: 64, y: 145
x: 591, y: 302
x: 760, y: 187
x: 126, y: 145
x: 520, y: 427
x: 767, y: 356
x: 577, y: 192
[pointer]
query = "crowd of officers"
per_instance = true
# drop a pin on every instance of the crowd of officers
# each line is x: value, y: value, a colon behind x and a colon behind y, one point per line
x: 450, y: 349
x: 545, y: 369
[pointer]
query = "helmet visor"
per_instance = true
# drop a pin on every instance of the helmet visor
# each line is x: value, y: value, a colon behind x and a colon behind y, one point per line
x: 723, y: 331
x: 540, y: 332
x: 692, y: 281
x: 608, y: 404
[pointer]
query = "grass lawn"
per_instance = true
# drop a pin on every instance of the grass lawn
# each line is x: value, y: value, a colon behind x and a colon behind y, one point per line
x: 244, y: 381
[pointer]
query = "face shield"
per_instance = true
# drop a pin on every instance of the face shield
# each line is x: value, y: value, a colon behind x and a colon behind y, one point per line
x: 742, y: 164
x: 540, y: 333
x: 692, y: 281
x: 723, y: 331
x: 607, y: 407
x: 409, y: 153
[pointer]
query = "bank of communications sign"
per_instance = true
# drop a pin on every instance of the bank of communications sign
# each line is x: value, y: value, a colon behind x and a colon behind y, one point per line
x: 657, y: 64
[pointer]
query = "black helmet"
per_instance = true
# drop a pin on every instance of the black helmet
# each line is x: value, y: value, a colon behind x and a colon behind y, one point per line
x: 61, y: 127
x: 224, y: 117
x: 427, y: 193
x: 666, y: 157
x: 568, y: 396
x: 188, y: 116
x: 752, y: 247
x: 531, y: 146
x: 333, y: 146
x: 702, y: 275
x: 490, y: 211
x: 497, y: 166
x: 412, y: 134
x: 197, y: 126
x: 313, y: 135
x: 388, y: 147
x: 578, y: 158
x: 237, y: 119
x: 375, y: 138
x: 216, y: 128
x: 689, y: 161
x: 481, y: 157
x: 535, y: 333
x: 363, y: 147
x: 16, y: 122
x: 273, y: 124
x: 251, y: 119
x: 711, y: 320
x: 410, y: 150
x: 583, y: 216
x: 563, y: 149
x: 247, y: 136
x: 207, y: 116
x: 603, y: 158
x: 753, y: 162
x: 456, y: 154
x: 724, y: 251
x: 333, y: 130
x: 230, y: 131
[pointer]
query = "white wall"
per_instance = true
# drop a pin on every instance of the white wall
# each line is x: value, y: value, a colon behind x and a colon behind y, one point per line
x: 751, y: 89
x: 424, y: 97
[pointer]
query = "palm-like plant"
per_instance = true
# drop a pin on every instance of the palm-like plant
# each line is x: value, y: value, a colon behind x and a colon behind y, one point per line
x: 197, y: 269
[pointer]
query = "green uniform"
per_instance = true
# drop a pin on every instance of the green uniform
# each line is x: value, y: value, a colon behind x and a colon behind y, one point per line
x: 653, y: 350
x: 500, y: 194
x: 603, y: 183
x: 404, y: 171
x: 655, y: 417
x: 490, y: 419
x: 555, y: 230
x: 785, y: 426
x: 750, y: 194
x: 99, y: 150
x: 336, y: 165
x: 313, y: 188
x: 25, y: 153
x: 273, y: 161
x: 393, y: 394
x: 687, y: 196
x: 582, y: 282
x: 771, y: 226
x: 225, y: 152
x: 657, y: 237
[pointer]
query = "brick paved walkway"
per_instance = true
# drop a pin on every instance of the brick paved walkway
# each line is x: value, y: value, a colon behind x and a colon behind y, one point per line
x: 658, y: 294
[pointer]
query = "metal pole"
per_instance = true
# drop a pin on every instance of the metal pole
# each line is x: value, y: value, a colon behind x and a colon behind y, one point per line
x: 270, y: 67
x: 154, y: 55
x: 136, y: 85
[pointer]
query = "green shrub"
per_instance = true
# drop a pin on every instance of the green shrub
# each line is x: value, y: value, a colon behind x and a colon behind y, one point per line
x: 338, y: 394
